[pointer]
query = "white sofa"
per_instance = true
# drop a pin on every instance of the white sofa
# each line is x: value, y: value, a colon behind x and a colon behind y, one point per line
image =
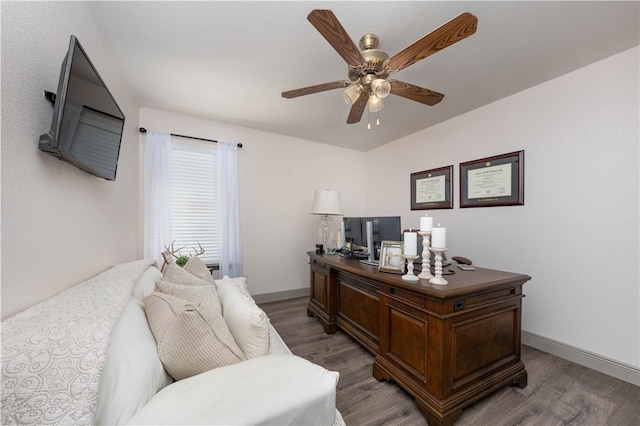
x: 89, y: 356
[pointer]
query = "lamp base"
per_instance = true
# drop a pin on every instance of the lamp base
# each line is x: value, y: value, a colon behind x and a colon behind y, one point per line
x: 324, y: 234
x: 331, y: 248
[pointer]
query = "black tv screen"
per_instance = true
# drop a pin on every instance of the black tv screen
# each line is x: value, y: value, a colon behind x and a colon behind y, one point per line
x: 86, y: 129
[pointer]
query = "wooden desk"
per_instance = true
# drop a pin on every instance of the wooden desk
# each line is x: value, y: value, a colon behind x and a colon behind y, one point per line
x: 447, y: 346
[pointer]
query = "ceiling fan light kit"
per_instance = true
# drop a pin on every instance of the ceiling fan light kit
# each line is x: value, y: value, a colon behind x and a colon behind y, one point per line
x: 352, y: 93
x: 375, y: 104
x: 380, y: 88
x: 369, y: 67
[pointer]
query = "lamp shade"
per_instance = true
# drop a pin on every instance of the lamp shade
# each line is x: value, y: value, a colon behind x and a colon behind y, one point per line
x: 380, y: 88
x: 351, y: 94
x: 326, y: 202
x: 375, y: 103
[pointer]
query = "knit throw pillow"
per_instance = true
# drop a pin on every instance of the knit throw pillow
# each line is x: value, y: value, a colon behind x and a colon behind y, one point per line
x: 189, y: 341
x: 175, y: 274
x: 196, y: 266
x: 204, y: 294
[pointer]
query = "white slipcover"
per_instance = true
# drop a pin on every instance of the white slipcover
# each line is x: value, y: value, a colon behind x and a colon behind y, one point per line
x: 273, y: 389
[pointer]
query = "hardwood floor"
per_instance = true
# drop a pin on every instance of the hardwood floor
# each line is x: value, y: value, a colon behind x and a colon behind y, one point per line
x: 559, y: 392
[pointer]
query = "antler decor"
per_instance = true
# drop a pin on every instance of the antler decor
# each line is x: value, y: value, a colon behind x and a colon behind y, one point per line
x: 173, y: 250
x: 198, y: 251
x: 181, y: 259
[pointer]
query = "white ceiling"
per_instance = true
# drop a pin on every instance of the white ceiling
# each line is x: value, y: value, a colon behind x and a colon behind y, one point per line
x: 230, y: 61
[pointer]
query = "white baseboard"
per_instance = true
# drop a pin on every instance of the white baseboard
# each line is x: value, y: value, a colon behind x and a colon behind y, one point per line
x: 605, y: 365
x: 281, y: 295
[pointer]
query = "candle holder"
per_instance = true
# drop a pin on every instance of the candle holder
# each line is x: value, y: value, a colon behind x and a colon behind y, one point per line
x: 438, y: 280
x: 409, y: 276
x: 426, y: 256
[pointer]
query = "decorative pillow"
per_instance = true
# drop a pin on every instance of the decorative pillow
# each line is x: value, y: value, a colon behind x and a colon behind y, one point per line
x: 196, y: 266
x: 248, y: 324
x: 175, y: 274
x: 188, y: 341
x: 203, y: 294
x: 240, y: 282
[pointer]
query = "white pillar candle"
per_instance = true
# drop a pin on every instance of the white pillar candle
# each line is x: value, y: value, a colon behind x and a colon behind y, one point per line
x: 439, y: 237
x: 426, y: 223
x: 410, y: 243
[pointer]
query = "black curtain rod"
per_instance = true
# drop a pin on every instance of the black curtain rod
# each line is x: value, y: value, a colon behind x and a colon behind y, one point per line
x: 143, y: 130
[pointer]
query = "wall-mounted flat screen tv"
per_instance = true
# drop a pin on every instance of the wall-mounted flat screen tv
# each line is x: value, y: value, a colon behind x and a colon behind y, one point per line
x: 87, y: 124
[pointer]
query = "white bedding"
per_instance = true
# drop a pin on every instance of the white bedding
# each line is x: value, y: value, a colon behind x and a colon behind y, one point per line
x: 53, y: 352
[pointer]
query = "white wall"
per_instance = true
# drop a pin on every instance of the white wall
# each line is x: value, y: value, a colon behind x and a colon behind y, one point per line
x: 278, y: 177
x: 577, y: 234
x: 60, y: 225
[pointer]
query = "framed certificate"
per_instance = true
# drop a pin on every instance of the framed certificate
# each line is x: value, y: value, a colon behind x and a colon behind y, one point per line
x: 493, y: 181
x: 432, y: 189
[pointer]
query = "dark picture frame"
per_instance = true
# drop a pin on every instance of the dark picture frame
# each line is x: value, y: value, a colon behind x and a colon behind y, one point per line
x: 493, y: 181
x: 432, y: 189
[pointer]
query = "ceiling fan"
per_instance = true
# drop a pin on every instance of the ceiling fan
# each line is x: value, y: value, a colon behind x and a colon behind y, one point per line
x: 369, y: 67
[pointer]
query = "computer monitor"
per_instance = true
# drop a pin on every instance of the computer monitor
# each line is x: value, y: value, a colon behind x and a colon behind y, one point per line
x: 353, y: 231
x: 383, y: 228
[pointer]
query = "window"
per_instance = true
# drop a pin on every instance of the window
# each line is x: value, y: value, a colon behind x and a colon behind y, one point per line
x: 193, y: 198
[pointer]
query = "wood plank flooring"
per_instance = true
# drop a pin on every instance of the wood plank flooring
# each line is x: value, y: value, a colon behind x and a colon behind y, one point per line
x: 559, y: 392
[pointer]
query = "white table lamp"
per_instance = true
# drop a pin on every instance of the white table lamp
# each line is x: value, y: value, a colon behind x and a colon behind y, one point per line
x: 326, y: 203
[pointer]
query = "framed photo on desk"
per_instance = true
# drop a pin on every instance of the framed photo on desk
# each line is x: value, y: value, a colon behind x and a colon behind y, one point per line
x: 391, y: 257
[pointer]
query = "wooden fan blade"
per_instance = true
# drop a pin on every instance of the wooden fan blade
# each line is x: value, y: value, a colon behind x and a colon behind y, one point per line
x: 328, y: 25
x: 357, y: 109
x: 453, y: 31
x: 315, y: 89
x: 415, y: 93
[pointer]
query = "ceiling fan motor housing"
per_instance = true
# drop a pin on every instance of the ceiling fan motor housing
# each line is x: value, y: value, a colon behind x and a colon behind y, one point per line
x: 374, y: 59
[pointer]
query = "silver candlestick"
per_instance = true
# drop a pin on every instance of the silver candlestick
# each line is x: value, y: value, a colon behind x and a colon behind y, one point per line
x: 438, y: 280
x: 409, y: 276
x: 426, y: 256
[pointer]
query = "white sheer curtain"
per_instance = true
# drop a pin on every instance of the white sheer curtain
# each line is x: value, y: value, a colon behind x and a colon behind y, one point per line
x: 229, y: 219
x: 157, y: 170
